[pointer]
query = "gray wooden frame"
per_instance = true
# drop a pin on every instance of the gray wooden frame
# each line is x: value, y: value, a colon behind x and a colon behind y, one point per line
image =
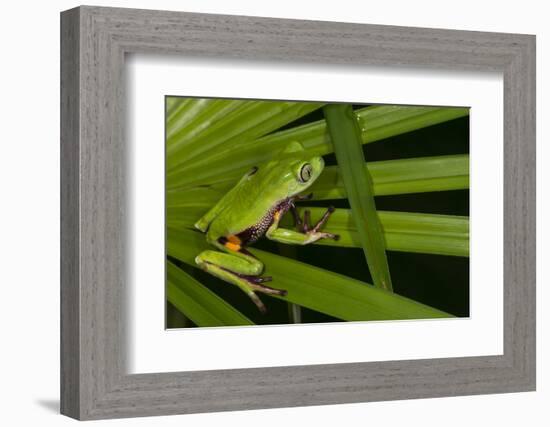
x: 94, y: 41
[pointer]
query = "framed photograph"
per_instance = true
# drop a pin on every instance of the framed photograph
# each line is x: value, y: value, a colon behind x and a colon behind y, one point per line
x: 262, y: 213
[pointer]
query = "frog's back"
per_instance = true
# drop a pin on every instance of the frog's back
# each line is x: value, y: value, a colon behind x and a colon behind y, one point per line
x: 249, y: 208
x: 250, y: 205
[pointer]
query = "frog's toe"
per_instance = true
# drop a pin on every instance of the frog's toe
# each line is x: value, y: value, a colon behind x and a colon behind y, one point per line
x: 269, y: 290
x: 263, y: 279
x: 331, y: 236
x: 324, y: 219
x: 255, y: 279
x: 258, y: 302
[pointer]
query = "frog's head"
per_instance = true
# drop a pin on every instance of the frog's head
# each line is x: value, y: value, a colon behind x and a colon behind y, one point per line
x: 296, y: 169
x: 304, y: 173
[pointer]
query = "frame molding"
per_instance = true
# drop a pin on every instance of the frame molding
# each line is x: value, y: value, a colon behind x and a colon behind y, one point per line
x: 94, y: 41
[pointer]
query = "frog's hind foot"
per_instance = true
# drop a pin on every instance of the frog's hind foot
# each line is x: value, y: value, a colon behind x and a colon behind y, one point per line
x: 254, y: 279
x: 248, y: 281
x: 256, y: 283
x: 257, y: 301
x: 269, y: 290
x: 266, y: 290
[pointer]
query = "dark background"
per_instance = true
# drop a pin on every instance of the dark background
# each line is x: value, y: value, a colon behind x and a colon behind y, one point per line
x: 436, y: 280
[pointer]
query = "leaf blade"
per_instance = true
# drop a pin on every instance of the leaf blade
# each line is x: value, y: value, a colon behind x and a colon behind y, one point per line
x: 245, y: 121
x: 234, y: 161
x: 346, y: 140
x: 315, y: 288
x: 403, y: 231
x: 402, y: 176
x: 198, y: 303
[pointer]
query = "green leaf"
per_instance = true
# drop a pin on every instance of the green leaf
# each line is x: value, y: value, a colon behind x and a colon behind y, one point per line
x: 315, y: 288
x: 194, y: 117
x: 377, y: 122
x: 212, y: 142
x: 390, y: 177
x: 385, y: 121
x: 346, y: 139
x: 196, y: 196
x: 226, y: 123
x: 424, y: 174
x: 172, y: 104
x: 403, y: 231
x: 198, y: 303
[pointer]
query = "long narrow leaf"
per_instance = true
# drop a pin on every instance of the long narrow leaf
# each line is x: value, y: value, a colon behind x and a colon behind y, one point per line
x: 346, y: 139
x: 403, y: 231
x: 192, y: 122
x: 418, y: 175
x: 184, y: 112
x: 403, y: 176
x: 341, y: 219
x: 172, y: 104
x: 424, y: 243
x: 253, y: 120
x: 315, y: 288
x: 396, y: 120
x: 376, y: 123
x: 196, y: 196
x: 198, y: 303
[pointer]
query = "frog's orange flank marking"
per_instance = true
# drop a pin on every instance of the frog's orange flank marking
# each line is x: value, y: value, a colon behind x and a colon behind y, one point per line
x: 234, y: 239
x: 233, y: 243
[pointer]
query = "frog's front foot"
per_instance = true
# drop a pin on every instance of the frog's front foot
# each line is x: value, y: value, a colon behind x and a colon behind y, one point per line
x: 314, y: 232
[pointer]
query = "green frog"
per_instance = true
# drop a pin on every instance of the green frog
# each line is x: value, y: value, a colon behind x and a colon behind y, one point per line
x: 252, y: 209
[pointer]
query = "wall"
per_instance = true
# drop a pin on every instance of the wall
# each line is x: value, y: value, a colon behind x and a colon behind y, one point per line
x: 29, y: 172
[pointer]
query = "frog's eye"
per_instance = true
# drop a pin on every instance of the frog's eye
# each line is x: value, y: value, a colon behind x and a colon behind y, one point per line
x: 305, y: 172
